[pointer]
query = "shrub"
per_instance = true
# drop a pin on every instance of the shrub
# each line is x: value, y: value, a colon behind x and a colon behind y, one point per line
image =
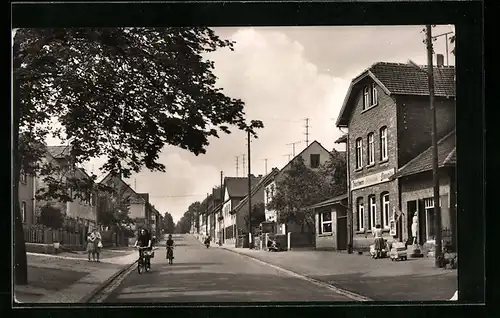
x: 51, y: 216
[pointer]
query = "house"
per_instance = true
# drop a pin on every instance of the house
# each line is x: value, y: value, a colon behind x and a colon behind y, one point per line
x: 154, y: 220
x: 416, y: 183
x: 314, y: 156
x: 137, y: 202
x: 214, y: 210
x: 239, y: 212
x: 83, y: 210
x: 27, y: 202
x: 386, y: 111
x: 331, y: 223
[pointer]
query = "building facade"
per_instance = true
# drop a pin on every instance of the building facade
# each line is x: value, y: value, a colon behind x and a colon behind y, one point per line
x: 386, y: 112
x: 27, y: 202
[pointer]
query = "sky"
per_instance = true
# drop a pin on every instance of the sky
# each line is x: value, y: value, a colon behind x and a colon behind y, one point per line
x: 284, y: 75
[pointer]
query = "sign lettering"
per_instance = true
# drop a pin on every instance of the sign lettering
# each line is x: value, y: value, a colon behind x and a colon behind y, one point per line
x: 372, y: 179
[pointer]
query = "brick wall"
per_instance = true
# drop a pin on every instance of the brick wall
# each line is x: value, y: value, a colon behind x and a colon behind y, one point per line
x: 414, y: 124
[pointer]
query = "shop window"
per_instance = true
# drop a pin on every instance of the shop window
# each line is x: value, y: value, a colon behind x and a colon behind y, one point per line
x: 385, y: 210
x: 325, y: 220
x: 371, y: 149
x: 383, y: 143
x: 372, y: 212
x: 359, y: 153
x: 360, y: 215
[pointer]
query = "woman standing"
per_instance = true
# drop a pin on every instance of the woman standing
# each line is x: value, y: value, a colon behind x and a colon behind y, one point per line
x: 91, y: 237
x: 379, y: 241
x: 98, y: 243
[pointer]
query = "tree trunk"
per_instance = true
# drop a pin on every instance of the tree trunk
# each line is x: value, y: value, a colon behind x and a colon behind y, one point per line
x: 20, y: 261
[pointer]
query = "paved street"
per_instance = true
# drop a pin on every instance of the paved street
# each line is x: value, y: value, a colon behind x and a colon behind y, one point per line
x: 214, y: 275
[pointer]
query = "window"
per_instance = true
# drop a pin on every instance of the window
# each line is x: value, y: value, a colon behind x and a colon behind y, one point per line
x: 359, y: 153
x: 383, y: 143
x: 374, y: 97
x: 429, y: 218
x: 371, y: 150
x: 385, y: 210
x: 360, y: 217
x: 22, y: 177
x: 326, y: 222
x: 366, y: 98
x: 314, y: 161
x: 373, y: 212
x: 23, y: 211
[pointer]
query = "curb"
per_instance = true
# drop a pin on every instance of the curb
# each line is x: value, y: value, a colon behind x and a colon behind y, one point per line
x: 89, y: 297
x: 348, y: 294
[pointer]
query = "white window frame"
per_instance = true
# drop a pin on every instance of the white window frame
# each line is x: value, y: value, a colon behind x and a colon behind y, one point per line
x: 361, y: 215
x: 323, y: 222
x: 371, y: 149
x: 428, y: 204
x: 374, y: 95
x: 366, y: 97
x: 23, y: 211
x: 372, y: 207
x: 383, y: 144
x: 385, y: 210
x: 359, y: 153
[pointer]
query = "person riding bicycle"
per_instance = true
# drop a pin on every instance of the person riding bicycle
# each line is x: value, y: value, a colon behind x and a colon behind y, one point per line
x: 170, y: 244
x: 144, y: 243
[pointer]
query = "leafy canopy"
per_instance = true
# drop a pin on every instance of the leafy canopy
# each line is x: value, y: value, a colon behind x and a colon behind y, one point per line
x: 121, y: 93
x: 299, y: 187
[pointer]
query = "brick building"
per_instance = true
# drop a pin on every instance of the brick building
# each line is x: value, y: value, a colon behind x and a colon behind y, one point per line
x: 387, y: 114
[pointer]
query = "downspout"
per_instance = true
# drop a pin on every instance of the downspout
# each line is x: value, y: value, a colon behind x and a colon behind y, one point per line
x: 350, y: 227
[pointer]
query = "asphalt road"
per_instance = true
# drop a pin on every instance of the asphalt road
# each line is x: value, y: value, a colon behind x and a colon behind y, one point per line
x: 213, y: 275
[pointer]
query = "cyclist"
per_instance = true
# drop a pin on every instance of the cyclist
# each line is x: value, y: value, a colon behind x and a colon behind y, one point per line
x: 144, y: 243
x: 170, y: 245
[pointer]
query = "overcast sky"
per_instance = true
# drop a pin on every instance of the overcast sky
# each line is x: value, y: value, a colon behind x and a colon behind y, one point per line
x: 284, y: 75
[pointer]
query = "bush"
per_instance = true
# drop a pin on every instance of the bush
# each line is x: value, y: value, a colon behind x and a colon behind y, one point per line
x: 51, y: 216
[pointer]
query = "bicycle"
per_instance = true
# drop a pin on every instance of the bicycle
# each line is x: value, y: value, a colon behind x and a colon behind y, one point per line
x: 170, y: 254
x: 144, y: 261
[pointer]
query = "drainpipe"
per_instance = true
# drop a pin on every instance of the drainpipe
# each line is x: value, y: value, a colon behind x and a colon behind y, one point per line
x: 350, y: 210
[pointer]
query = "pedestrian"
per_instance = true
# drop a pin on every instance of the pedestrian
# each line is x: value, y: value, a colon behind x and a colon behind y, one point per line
x: 98, y: 244
x: 91, y: 237
x: 379, y: 241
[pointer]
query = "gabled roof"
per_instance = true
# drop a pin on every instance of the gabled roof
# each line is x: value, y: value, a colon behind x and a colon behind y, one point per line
x: 262, y: 182
x: 116, y: 178
x: 237, y: 187
x: 400, y: 79
x: 423, y: 162
x: 300, y: 153
x: 59, y: 152
x: 328, y: 202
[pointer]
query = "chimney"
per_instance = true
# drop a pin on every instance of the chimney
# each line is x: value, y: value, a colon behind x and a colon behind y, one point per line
x: 260, y: 176
x: 439, y: 60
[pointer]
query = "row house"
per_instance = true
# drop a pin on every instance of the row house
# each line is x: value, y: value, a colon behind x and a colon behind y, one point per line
x: 387, y: 114
x: 314, y: 156
x: 138, y: 203
x: 236, y: 189
x: 82, y: 209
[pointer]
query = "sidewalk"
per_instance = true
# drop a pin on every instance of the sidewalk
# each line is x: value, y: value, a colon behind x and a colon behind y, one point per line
x: 68, y: 279
x: 379, y: 280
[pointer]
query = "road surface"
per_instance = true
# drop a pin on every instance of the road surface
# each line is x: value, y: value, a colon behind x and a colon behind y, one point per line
x: 213, y: 275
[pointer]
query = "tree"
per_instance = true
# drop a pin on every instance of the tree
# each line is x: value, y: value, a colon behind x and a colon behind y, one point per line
x: 51, y: 216
x: 168, y: 223
x: 333, y: 174
x: 121, y: 93
x: 113, y: 209
x: 258, y: 215
x: 296, y: 189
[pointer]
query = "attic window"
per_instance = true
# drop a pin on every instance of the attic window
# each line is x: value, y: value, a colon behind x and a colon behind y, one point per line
x: 314, y: 161
x: 370, y: 96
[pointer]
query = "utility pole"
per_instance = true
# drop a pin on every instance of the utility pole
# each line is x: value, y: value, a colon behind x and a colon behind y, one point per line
x: 236, y: 165
x: 288, y: 155
x: 307, y: 132
x: 206, y: 216
x: 435, y: 177
x: 221, y: 196
x: 293, y: 145
x: 265, y: 160
x: 135, y: 184
x: 250, y: 245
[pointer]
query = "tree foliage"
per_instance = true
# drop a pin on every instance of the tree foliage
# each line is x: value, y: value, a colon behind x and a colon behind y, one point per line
x: 299, y: 187
x: 190, y: 217
x: 168, y: 223
x: 114, y: 208
x: 120, y: 93
x: 51, y: 216
x: 258, y: 215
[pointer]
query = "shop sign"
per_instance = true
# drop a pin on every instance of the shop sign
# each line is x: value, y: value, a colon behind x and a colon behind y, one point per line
x: 372, y: 179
